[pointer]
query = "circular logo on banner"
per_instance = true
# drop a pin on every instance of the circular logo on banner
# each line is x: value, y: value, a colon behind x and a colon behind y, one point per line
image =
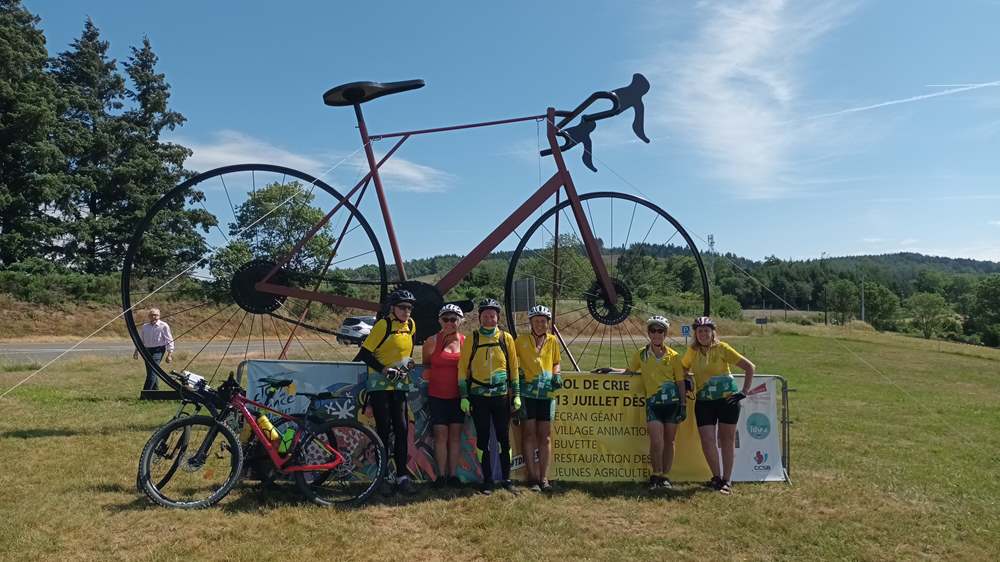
x: 758, y: 426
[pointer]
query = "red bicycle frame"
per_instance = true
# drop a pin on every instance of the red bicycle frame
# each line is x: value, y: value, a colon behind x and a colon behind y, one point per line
x: 240, y: 403
x: 561, y: 179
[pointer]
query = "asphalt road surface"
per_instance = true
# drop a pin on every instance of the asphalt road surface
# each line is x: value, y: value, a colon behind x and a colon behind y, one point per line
x: 41, y: 352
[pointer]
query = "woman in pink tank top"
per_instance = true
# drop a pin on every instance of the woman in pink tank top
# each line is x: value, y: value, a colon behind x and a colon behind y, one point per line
x: 440, y: 353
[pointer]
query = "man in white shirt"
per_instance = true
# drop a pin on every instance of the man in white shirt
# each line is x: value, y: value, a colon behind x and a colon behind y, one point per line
x: 159, y: 342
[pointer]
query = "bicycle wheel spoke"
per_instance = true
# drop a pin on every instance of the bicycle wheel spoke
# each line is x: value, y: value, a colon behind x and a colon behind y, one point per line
x: 195, y: 356
x: 179, y: 312
x: 230, y: 344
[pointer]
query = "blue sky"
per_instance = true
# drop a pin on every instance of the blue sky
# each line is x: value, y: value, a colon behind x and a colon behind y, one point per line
x: 784, y: 128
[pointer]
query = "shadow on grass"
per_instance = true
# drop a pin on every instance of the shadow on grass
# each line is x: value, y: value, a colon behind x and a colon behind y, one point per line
x: 252, y: 497
x: 70, y: 432
x: 38, y: 433
x: 630, y: 490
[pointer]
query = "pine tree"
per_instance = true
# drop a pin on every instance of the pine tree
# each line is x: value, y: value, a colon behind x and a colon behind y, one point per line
x: 150, y: 168
x: 29, y: 159
x: 92, y: 92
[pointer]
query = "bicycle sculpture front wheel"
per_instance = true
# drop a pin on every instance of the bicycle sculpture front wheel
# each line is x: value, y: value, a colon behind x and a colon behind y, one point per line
x: 654, y: 265
x: 351, y: 483
x: 190, y: 463
x: 202, y: 248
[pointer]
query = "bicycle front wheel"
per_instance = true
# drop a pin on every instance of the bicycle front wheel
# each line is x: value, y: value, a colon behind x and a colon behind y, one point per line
x: 655, y: 267
x: 356, y: 479
x: 190, y: 463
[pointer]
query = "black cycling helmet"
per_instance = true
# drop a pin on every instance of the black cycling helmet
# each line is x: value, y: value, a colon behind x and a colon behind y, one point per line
x: 401, y: 296
x: 489, y: 304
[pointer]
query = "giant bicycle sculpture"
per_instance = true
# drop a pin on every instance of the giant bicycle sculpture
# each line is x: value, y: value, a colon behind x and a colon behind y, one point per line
x: 268, y: 241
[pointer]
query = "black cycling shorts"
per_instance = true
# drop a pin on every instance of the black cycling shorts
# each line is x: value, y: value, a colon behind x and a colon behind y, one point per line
x: 445, y: 411
x: 538, y: 409
x: 663, y: 413
x: 711, y: 412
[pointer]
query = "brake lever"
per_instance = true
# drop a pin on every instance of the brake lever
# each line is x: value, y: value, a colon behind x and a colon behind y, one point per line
x: 631, y: 96
x: 574, y: 136
x: 628, y: 97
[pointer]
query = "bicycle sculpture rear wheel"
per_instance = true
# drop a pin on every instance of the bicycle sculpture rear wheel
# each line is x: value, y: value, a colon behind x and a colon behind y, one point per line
x: 654, y: 264
x: 204, y: 245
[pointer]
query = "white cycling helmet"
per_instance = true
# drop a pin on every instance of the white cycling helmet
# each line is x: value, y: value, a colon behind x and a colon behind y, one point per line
x: 658, y: 321
x: 540, y: 310
x: 452, y: 308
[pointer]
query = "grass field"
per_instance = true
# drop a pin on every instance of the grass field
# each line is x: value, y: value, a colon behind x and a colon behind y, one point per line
x: 897, y: 465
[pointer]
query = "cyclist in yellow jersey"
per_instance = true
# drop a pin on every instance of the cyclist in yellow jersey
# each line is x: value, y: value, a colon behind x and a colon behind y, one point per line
x: 487, y: 368
x: 708, y: 363
x: 390, y: 342
x: 661, y: 381
x: 538, y: 357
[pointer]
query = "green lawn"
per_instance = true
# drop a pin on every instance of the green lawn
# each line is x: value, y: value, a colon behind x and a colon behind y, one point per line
x: 898, y: 465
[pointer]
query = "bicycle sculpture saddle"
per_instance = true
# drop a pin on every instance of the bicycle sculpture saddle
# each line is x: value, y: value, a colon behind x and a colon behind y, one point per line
x: 360, y: 92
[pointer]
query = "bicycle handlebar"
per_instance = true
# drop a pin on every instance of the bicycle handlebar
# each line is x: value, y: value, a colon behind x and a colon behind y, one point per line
x: 621, y: 99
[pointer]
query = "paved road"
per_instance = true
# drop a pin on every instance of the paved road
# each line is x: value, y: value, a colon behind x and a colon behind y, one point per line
x: 42, y: 352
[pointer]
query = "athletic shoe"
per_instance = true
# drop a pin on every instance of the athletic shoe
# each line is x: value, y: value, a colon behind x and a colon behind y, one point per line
x: 654, y: 483
x: 535, y: 487
x: 439, y: 483
x: 665, y: 483
x: 715, y: 483
x: 405, y: 485
x: 509, y: 486
x: 486, y: 488
x: 546, y: 486
x: 726, y: 488
x: 454, y: 482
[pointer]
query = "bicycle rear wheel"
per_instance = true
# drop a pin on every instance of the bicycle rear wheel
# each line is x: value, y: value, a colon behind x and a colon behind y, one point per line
x: 653, y: 262
x: 202, y: 248
x: 190, y: 463
x: 357, y: 478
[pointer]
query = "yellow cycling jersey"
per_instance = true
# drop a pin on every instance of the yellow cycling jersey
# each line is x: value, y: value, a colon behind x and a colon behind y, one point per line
x: 489, y: 365
x: 393, y: 349
x: 656, y: 371
x: 717, y: 361
x: 537, y: 366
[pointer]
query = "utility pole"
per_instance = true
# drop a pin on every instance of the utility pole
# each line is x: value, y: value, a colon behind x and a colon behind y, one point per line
x: 711, y: 259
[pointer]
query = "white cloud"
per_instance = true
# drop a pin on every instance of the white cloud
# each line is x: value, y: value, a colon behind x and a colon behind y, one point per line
x: 995, y: 223
x: 228, y: 147
x: 733, y: 89
x: 404, y: 175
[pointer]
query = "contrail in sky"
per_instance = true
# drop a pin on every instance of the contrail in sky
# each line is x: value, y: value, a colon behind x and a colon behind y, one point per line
x: 948, y: 92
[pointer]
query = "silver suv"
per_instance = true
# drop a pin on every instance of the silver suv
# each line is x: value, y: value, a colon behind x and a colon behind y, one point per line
x: 355, y: 329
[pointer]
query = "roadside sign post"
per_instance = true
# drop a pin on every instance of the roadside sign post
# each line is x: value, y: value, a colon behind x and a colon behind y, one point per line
x: 761, y: 322
x: 685, y: 331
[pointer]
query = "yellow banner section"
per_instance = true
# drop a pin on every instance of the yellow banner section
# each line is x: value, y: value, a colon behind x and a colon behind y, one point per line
x: 599, y: 433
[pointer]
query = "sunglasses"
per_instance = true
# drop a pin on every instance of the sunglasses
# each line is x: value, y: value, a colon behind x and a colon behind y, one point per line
x: 657, y: 331
x: 404, y: 307
x: 449, y: 319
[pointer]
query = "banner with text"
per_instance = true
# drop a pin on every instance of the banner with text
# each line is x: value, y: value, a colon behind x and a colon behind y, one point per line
x: 599, y: 433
